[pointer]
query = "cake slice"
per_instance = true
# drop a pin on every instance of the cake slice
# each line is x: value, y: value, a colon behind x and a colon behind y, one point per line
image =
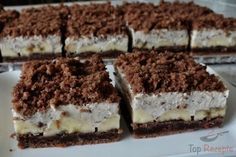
x: 169, y: 93
x: 95, y: 28
x: 214, y: 36
x: 65, y: 102
x: 36, y: 34
x: 153, y: 27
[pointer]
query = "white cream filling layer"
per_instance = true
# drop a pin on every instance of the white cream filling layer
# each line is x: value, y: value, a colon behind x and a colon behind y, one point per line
x: 155, y: 106
x: 97, y: 44
x: 212, y: 37
x: 70, y: 118
x: 173, y: 105
x: 159, y: 38
x: 26, y: 46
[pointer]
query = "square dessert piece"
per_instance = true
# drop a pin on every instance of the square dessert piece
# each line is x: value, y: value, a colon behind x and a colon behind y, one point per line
x: 214, y: 35
x: 36, y: 34
x: 169, y: 93
x: 153, y: 27
x: 65, y: 102
x: 95, y: 28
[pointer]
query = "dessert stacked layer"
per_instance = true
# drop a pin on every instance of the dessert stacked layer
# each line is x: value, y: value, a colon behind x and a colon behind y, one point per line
x: 106, y: 29
x: 154, y: 27
x: 36, y: 34
x: 65, y: 102
x: 167, y: 93
x: 96, y: 28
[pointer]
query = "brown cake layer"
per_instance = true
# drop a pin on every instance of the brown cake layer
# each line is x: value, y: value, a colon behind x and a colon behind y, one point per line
x: 154, y: 129
x: 62, y: 81
x: 64, y: 139
x: 104, y: 55
x: 34, y: 56
x: 96, y: 20
x: 214, y: 50
x: 163, y: 49
x: 166, y: 72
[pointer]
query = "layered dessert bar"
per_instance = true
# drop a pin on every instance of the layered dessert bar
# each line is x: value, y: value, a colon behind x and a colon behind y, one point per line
x: 95, y: 28
x: 6, y: 16
x: 153, y: 27
x: 214, y: 35
x: 166, y: 93
x: 213, y: 32
x: 36, y: 34
x: 65, y: 102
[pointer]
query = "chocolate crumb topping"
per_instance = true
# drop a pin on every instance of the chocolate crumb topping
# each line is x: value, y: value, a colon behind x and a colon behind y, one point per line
x: 166, y: 72
x: 7, y: 16
x: 176, y: 15
x: 95, y: 20
x: 216, y: 21
x: 147, y: 16
x: 61, y: 82
x: 35, y: 21
x: 185, y: 11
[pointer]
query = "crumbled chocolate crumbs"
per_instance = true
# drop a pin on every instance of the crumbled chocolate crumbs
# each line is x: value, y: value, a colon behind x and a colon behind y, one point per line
x: 95, y: 19
x: 166, y: 72
x: 35, y: 21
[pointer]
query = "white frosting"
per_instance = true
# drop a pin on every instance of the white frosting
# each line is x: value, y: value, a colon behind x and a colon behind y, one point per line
x: 157, y: 105
x: 102, y: 116
x: 97, y: 44
x: 159, y: 38
x: 212, y: 37
x: 25, y: 46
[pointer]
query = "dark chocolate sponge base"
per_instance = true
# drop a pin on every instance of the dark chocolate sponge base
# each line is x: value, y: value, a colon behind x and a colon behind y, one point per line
x: 65, y: 139
x: 34, y: 56
x: 154, y: 129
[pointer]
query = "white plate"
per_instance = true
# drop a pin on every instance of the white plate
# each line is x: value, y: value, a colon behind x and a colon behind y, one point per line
x: 185, y: 144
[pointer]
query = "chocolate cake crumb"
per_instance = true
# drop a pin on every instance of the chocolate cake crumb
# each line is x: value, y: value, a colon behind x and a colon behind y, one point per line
x: 61, y: 82
x: 166, y: 72
x: 176, y: 15
x: 35, y: 21
x: 8, y: 15
x: 216, y: 21
x: 96, y: 20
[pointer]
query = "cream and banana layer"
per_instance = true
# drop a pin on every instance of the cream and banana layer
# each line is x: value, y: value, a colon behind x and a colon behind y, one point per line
x: 212, y: 37
x: 168, y: 106
x: 159, y: 38
x: 142, y: 116
x: 26, y: 46
x: 70, y: 118
x: 97, y: 44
